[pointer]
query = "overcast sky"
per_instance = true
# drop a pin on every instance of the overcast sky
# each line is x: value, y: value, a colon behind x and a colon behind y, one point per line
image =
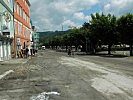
x: 50, y: 15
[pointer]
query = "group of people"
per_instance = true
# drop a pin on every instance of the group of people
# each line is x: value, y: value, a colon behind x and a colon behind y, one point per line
x: 26, y: 52
x: 70, y: 52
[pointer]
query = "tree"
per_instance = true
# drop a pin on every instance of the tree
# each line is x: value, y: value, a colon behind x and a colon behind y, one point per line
x: 125, y: 28
x: 76, y: 37
x: 103, y: 28
x: 86, y: 33
x: 65, y: 41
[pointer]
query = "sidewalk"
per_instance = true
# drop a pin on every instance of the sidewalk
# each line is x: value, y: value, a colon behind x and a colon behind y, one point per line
x: 12, y: 64
x: 131, y: 57
x: 15, y: 61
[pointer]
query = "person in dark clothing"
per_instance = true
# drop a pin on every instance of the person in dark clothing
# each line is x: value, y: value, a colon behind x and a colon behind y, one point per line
x: 26, y: 52
x: 34, y: 52
x: 31, y: 51
x: 23, y: 52
x: 69, y: 51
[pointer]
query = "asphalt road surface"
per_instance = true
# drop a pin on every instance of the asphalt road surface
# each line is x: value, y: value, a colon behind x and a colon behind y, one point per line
x: 55, y: 76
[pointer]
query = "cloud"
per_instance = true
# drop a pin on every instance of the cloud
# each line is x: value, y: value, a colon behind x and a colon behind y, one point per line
x: 69, y: 23
x: 81, y: 16
x: 50, y: 14
x: 118, y: 7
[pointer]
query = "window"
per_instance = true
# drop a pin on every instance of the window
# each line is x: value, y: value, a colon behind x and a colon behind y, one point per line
x: 19, y: 29
x: 28, y: 8
x: 15, y: 25
x: 20, y: 11
x: 27, y: 19
x: 25, y: 2
x: 23, y: 31
x: 23, y: 14
x: 17, y: 8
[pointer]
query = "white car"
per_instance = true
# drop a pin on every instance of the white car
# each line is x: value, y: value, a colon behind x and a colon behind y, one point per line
x: 43, y: 47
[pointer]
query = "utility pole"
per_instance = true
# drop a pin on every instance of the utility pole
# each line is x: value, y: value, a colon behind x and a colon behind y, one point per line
x: 15, y: 39
x: 62, y: 27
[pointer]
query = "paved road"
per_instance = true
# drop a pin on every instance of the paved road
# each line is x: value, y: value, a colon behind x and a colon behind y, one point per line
x: 56, y: 76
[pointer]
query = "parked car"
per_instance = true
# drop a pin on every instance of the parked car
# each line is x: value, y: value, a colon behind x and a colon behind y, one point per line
x: 43, y: 48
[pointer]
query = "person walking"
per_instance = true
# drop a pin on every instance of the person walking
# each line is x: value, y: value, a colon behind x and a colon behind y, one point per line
x: 31, y: 52
x: 23, y: 52
x: 69, y: 51
x: 27, y: 52
x: 34, y: 52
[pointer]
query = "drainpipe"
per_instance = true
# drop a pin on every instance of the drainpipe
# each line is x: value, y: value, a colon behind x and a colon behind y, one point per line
x: 1, y: 15
x: 1, y: 33
x: 14, y: 49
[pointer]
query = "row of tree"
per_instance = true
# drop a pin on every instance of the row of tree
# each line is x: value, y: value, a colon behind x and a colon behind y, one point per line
x: 101, y: 30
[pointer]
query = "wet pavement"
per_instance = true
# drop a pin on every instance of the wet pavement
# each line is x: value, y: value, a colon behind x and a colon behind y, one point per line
x: 55, y: 76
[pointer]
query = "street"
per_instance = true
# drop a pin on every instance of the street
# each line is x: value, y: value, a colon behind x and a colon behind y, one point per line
x: 52, y: 75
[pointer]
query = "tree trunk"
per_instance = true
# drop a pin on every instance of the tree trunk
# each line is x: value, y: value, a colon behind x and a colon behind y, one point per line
x: 94, y: 50
x: 131, y: 49
x: 83, y: 49
x: 66, y: 48
x: 76, y: 48
x: 52, y: 47
x: 109, y: 49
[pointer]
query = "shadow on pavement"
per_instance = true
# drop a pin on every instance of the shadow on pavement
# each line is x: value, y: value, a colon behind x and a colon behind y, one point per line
x: 104, y: 55
x: 114, y: 56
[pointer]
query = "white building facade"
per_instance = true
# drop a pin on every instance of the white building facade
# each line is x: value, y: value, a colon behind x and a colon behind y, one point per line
x: 6, y: 29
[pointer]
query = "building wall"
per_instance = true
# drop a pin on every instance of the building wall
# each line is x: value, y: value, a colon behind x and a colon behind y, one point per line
x: 9, y: 3
x: 22, y: 23
x: 6, y: 6
x: 36, y: 40
x: 10, y: 10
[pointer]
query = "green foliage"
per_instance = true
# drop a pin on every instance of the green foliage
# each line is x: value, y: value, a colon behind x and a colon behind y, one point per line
x: 101, y: 30
x: 125, y: 28
x: 50, y: 34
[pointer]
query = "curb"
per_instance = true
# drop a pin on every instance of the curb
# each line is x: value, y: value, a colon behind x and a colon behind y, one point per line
x: 6, y: 74
x: 9, y: 72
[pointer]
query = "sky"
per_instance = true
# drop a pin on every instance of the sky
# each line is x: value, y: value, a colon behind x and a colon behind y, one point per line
x: 52, y: 15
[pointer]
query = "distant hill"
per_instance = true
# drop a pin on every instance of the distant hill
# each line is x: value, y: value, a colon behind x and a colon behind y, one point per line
x: 50, y: 34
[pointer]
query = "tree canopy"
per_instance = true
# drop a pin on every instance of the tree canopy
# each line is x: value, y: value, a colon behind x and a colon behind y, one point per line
x: 103, y: 29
